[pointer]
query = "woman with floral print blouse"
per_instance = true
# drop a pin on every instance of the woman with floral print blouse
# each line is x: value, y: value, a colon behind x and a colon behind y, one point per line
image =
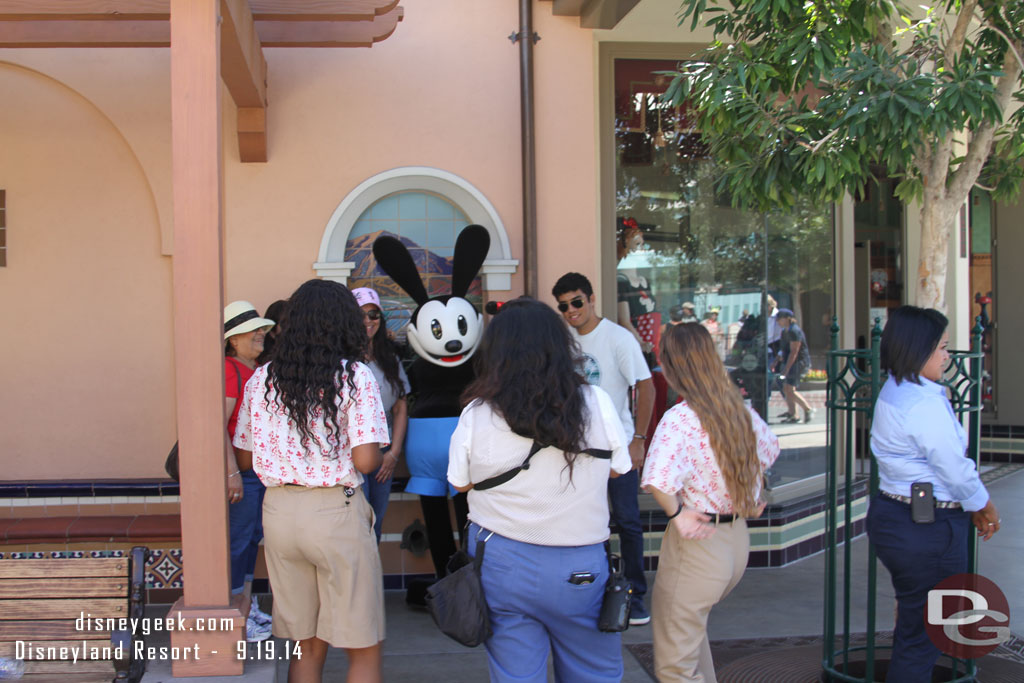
x: 704, y: 467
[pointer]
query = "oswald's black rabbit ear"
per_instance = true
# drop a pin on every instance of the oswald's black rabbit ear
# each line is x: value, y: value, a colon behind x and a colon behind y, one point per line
x: 395, y: 260
x: 470, y: 251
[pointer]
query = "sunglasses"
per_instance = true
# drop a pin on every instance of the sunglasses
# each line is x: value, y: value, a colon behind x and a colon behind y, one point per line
x: 576, y: 303
x: 372, y: 315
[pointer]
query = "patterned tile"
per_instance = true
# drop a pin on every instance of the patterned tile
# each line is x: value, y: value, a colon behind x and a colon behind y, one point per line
x: 165, y: 569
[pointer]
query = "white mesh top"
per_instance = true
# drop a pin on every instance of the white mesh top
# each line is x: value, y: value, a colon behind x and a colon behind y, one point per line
x: 539, y: 505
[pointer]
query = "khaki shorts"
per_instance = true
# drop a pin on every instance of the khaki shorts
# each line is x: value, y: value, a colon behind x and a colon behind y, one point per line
x: 324, y: 566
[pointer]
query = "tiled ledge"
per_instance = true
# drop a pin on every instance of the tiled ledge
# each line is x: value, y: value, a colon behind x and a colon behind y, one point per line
x: 88, y: 488
x: 105, y: 528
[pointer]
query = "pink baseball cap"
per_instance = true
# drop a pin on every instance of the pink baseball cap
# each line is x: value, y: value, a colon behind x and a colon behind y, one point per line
x: 365, y: 295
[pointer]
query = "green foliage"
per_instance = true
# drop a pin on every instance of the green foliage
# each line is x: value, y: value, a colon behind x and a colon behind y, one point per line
x: 809, y: 99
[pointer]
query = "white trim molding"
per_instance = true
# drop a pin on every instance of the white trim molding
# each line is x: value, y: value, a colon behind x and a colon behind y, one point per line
x: 498, y: 267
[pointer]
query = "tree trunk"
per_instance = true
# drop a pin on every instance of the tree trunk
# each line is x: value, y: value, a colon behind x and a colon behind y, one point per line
x: 937, y: 219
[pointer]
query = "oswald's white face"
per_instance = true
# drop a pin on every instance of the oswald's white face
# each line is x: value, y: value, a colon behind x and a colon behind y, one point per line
x: 446, y: 334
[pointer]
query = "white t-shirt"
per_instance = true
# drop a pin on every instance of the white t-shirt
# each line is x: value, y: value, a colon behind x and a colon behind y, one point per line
x: 774, y: 330
x: 388, y: 396
x: 279, y: 453
x: 539, y: 505
x: 614, y: 361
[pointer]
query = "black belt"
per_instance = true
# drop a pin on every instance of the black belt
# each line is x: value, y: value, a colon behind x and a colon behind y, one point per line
x: 349, y: 490
x: 718, y: 518
x: 940, y: 504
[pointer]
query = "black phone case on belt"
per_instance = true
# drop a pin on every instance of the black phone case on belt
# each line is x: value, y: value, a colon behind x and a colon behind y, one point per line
x: 922, y: 502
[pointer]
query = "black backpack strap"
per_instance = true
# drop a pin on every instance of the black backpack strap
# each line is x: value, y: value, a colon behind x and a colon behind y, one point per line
x: 599, y: 453
x: 507, y: 476
x: 478, y: 558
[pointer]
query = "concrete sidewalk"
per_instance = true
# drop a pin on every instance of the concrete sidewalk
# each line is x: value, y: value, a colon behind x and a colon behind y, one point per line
x: 767, y: 604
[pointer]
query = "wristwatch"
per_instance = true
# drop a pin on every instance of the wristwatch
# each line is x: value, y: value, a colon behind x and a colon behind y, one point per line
x: 638, y: 435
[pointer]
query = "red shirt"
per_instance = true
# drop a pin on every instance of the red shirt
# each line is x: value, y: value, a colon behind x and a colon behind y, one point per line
x: 232, y: 370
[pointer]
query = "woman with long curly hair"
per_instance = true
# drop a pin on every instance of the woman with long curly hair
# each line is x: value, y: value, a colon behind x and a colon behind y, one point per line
x: 313, y: 420
x: 704, y: 468
x: 382, y: 359
x: 544, y: 566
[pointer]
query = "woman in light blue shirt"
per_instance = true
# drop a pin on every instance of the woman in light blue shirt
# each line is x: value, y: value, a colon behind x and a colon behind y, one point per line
x: 915, y: 437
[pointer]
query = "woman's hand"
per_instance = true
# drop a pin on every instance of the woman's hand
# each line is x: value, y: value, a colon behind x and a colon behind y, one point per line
x: 235, y: 492
x: 693, y: 524
x: 986, y: 520
x: 387, y: 466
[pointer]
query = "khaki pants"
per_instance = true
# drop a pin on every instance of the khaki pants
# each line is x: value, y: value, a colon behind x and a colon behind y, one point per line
x: 692, y: 577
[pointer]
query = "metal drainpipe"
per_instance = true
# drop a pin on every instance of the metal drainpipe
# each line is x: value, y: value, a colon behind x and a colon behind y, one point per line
x: 527, y: 38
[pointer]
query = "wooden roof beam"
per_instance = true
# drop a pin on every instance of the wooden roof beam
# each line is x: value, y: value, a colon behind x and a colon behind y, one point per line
x: 244, y: 70
x: 103, y: 31
x: 329, y: 33
x: 320, y: 10
x: 263, y: 10
x: 67, y: 10
x: 71, y: 33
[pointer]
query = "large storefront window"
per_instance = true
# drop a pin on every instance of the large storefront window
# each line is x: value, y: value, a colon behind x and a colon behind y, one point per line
x: 683, y: 254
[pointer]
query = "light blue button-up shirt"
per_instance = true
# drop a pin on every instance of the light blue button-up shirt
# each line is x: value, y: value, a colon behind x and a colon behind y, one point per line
x: 916, y: 437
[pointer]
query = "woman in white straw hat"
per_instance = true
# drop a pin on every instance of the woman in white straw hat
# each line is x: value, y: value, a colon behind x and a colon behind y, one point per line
x: 244, y: 331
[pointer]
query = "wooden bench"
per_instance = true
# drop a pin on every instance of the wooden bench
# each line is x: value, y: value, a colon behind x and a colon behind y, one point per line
x: 41, y: 608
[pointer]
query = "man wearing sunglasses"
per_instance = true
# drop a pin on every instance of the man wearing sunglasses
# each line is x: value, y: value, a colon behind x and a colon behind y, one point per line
x: 614, y: 361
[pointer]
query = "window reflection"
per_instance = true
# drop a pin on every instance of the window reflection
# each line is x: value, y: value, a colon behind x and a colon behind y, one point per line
x: 684, y: 254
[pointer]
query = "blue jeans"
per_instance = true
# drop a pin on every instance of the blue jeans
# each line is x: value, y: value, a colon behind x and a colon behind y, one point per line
x: 918, y: 556
x: 377, y: 494
x: 625, y: 514
x: 533, y: 607
x: 245, y: 529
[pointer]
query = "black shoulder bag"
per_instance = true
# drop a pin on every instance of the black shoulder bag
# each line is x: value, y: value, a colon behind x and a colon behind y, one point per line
x: 456, y: 603
x: 171, y: 463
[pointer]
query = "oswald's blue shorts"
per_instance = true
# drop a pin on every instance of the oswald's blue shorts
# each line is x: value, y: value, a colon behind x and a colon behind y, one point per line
x: 426, y: 453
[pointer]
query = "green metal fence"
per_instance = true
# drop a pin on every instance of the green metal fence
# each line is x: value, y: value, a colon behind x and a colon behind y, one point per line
x: 854, y: 380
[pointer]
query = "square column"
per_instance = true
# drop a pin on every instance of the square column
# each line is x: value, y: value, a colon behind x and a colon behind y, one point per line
x: 198, y: 342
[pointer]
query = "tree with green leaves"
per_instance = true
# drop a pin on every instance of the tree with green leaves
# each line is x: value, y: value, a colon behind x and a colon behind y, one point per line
x: 811, y: 99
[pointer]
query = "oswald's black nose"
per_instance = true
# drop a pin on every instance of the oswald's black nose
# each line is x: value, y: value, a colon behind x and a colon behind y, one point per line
x: 453, y: 346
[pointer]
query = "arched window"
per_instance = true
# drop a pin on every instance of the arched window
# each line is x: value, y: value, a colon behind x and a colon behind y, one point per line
x: 425, y: 208
x: 425, y: 202
x: 427, y: 224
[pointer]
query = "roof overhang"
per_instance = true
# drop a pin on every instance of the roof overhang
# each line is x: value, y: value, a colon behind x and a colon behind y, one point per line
x: 247, y: 26
x: 603, y: 14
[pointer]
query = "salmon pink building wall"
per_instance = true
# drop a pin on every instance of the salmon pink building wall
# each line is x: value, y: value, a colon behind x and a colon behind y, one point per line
x: 85, y: 354
x: 86, y: 168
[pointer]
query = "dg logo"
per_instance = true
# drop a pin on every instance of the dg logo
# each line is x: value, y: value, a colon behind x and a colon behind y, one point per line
x: 967, y: 616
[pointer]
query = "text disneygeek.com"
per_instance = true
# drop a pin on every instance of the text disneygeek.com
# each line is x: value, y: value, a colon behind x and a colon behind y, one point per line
x: 143, y: 626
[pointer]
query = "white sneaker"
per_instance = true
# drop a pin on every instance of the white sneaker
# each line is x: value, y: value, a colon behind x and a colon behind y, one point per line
x: 254, y: 632
x: 258, y: 615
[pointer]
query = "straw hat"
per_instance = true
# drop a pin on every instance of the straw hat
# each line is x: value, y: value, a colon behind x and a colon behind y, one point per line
x: 241, y: 317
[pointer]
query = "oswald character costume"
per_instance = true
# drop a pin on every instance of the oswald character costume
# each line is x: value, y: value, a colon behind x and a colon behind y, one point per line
x: 444, y: 332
